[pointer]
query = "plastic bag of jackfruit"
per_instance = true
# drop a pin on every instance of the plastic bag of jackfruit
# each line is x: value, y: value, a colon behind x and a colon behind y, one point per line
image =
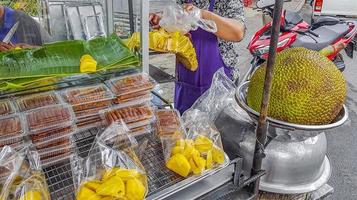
x: 21, y: 176
x: 112, y: 170
x: 198, y: 151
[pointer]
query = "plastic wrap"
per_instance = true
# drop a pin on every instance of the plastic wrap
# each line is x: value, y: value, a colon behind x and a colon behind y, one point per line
x: 217, y: 97
x: 112, y: 169
x: 176, y: 19
x: 22, y: 176
x: 6, y: 108
x: 197, y: 151
x: 37, y: 101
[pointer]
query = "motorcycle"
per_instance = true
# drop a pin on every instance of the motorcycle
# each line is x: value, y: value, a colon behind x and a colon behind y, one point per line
x: 295, y: 32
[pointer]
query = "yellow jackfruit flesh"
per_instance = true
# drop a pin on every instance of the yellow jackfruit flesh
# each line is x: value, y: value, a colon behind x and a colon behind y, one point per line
x: 198, y: 164
x: 218, y: 155
x: 135, y: 190
x: 179, y: 164
x: 203, y: 144
x: 32, y: 195
x: 209, y: 160
x: 113, y: 186
x: 87, y: 194
x: 93, y: 185
x: 176, y: 150
x: 307, y: 88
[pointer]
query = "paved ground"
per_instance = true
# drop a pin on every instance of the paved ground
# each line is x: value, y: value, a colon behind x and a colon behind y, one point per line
x: 342, y: 142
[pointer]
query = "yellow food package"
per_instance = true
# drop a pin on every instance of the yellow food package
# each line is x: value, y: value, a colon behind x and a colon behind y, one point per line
x: 88, y: 64
x: 111, y: 171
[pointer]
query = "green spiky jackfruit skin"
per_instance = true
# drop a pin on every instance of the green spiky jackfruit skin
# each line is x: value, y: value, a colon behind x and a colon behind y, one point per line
x: 307, y: 88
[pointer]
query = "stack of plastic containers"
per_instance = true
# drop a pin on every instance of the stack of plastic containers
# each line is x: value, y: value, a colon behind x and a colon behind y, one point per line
x: 50, y: 129
x: 132, y: 102
x: 87, y: 102
x: 11, y: 131
x: 168, y: 123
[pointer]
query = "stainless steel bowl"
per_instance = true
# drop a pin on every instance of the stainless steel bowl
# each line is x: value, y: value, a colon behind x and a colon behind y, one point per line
x: 292, y: 167
x: 241, y: 100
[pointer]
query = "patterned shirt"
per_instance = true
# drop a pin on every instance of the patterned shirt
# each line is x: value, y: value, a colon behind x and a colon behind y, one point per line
x: 230, y: 9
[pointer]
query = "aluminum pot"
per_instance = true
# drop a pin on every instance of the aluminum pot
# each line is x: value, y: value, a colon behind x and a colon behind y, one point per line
x: 292, y: 166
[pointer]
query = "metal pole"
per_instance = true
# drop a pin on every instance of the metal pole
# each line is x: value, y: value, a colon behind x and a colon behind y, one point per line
x: 145, y: 35
x: 131, y: 16
x: 262, y: 123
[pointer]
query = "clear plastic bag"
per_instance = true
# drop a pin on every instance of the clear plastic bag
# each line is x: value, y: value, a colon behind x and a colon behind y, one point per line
x: 21, y: 175
x: 198, y: 151
x: 176, y: 19
x: 220, y: 94
x: 111, y: 169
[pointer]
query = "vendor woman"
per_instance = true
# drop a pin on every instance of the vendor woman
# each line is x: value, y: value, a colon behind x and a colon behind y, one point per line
x: 213, y: 50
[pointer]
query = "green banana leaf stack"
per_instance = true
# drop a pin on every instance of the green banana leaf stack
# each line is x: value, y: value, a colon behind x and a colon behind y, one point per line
x: 21, y: 69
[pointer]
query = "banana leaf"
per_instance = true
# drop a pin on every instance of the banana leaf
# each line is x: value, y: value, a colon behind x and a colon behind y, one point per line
x: 63, y: 58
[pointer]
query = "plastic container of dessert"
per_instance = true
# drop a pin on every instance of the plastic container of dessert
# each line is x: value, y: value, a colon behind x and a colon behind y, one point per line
x: 131, y: 87
x: 6, y: 108
x: 39, y: 100
x: 49, y: 118
x: 89, y: 100
x: 11, y: 130
x: 167, y: 122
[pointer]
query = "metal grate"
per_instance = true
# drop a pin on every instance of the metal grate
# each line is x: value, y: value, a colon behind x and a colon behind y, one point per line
x: 159, y: 177
x: 60, y: 180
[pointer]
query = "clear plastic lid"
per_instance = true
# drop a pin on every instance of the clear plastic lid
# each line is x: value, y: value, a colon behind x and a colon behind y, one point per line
x: 64, y: 139
x: 53, y: 151
x: 167, y: 122
x: 141, y: 130
x: 84, y: 95
x: 134, y: 101
x: 137, y: 96
x: 34, y: 101
x: 141, y: 123
x: 11, y: 126
x: 50, y: 117
x: 41, y: 138
x: 6, y: 107
x: 131, y: 84
x: 89, y: 122
x: 129, y: 114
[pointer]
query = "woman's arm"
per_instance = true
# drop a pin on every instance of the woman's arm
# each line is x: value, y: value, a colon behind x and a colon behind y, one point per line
x: 227, y: 29
x: 230, y: 21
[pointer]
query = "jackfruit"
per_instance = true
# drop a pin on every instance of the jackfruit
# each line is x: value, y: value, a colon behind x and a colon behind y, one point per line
x: 135, y: 190
x: 179, y: 164
x: 113, y: 187
x: 32, y: 195
x: 307, y: 88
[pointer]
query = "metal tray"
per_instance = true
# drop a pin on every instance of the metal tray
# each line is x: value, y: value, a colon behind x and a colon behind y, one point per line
x: 162, y: 182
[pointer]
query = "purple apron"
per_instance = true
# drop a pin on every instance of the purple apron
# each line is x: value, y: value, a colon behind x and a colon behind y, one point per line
x: 8, y: 22
x: 191, y: 85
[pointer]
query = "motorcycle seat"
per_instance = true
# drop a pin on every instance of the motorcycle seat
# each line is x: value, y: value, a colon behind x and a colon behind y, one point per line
x: 327, y: 35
